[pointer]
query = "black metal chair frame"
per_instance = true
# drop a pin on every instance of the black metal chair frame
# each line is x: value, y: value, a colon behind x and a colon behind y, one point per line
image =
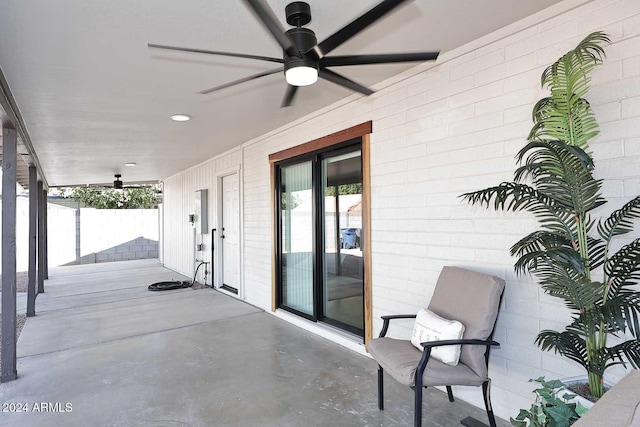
x: 422, y: 365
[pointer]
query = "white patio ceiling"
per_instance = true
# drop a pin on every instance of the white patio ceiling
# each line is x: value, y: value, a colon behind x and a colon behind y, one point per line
x: 94, y: 97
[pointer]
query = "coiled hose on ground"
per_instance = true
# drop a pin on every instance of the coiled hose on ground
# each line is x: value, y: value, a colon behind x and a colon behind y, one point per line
x: 175, y: 284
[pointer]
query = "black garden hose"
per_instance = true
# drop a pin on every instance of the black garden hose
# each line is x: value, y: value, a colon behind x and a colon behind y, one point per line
x: 167, y: 286
x: 175, y: 284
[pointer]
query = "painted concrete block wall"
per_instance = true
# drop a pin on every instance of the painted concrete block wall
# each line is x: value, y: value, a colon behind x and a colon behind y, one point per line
x: 61, y: 234
x: 118, y: 234
x: 105, y: 234
x: 445, y: 129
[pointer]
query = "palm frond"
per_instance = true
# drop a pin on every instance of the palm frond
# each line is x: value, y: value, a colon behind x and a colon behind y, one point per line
x: 628, y: 350
x: 566, y: 343
x: 561, y: 171
x: 623, y: 267
x: 566, y: 115
x: 511, y: 196
x: 577, y: 294
x: 620, y: 220
x: 535, y: 260
x: 540, y: 240
x: 596, y: 250
x: 621, y: 312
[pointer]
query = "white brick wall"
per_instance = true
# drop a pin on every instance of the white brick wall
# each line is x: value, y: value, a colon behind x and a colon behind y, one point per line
x: 442, y: 130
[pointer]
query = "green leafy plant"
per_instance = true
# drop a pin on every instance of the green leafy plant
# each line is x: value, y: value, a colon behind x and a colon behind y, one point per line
x: 143, y: 197
x: 571, y: 253
x: 549, y: 409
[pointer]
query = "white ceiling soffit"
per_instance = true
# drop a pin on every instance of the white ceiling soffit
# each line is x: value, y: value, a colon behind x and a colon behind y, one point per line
x: 94, y: 97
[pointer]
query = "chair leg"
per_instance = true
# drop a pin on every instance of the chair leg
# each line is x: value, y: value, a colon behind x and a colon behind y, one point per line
x: 380, y: 388
x: 450, y: 393
x: 418, y: 406
x: 486, y: 391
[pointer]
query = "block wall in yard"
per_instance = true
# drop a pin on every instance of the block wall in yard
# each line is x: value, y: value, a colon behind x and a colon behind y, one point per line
x: 442, y: 130
x: 61, y: 234
x: 117, y: 234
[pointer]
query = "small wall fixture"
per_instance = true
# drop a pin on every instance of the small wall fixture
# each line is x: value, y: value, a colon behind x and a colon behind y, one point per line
x: 130, y: 164
x: 180, y: 118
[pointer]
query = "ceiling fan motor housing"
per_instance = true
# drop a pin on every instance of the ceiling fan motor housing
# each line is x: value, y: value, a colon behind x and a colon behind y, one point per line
x: 304, y: 39
x: 298, y: 13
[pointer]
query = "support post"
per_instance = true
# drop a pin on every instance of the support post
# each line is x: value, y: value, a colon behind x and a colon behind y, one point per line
x: 46, y: 235
x: 41, y: 241
x: 77, y: 216
x: 33, y: 230
x: 8, y: 371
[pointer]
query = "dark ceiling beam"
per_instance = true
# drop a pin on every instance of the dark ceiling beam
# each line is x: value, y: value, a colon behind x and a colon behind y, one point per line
x: 11, y: 118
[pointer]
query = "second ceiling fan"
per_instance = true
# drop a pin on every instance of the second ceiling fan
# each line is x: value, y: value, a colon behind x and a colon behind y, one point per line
x: 304, y: 59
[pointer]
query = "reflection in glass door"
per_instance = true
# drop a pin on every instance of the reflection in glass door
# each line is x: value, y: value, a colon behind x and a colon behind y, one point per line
x: 296, y: 225
x: 343, y: 268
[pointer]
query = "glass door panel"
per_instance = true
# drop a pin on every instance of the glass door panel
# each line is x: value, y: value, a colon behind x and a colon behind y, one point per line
x: 342, y: 260
x: 297, y: 231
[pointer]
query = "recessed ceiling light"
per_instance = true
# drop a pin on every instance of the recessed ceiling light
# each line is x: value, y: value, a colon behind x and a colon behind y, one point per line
x: 130, y: 164
x: 180, y: 117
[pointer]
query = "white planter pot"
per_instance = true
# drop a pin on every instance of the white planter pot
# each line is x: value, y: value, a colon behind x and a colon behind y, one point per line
x: 580, y: 379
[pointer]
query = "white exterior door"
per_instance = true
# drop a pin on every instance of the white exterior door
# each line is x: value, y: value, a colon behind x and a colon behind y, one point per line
x: 230, y: 233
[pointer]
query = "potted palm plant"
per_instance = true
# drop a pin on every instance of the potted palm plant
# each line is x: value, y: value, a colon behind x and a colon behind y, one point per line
x: 572, y: 253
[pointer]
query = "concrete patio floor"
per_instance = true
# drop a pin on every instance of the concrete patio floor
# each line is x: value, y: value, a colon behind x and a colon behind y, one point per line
x: 120, y: 355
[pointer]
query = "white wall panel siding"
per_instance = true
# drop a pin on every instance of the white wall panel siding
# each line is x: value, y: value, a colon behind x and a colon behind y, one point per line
x: 439, y: 131
x: 179, y: 202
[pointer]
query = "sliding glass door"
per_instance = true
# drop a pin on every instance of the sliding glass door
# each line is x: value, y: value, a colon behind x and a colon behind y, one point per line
x: 320, y: 263
x: 343, y: 268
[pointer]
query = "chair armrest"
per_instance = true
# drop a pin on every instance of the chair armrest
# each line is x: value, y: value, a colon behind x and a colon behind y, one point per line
x: 399, y: 316
x: 428, y: 345
x: 460, y: 341
x: 386, y: 319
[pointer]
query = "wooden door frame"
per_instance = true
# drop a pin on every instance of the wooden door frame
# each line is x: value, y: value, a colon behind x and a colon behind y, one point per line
x: 362, y: 131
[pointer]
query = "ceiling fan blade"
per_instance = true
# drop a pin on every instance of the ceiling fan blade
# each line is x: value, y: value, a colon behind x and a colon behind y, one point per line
x: 214, y: 52
x: 288, y: 96
x: 242, y: 80
x: 337, y: 61
x: 350, y: 30
x: 269, y: 19
x: 343, y: 81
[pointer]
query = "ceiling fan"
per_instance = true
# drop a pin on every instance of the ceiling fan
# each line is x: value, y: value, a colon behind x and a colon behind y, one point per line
x: 304, y: 59
x: 117, y: 184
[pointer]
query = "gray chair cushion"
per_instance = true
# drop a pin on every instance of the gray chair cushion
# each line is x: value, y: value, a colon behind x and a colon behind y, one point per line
x: 472, y: 298
x: 399, y: 358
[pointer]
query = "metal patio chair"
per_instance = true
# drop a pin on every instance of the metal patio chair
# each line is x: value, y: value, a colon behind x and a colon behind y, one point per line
x: 469, y: 297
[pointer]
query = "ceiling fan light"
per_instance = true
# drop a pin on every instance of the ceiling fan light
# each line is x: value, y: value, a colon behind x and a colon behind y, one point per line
x: 301, y: 76
x: 181, y: 117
